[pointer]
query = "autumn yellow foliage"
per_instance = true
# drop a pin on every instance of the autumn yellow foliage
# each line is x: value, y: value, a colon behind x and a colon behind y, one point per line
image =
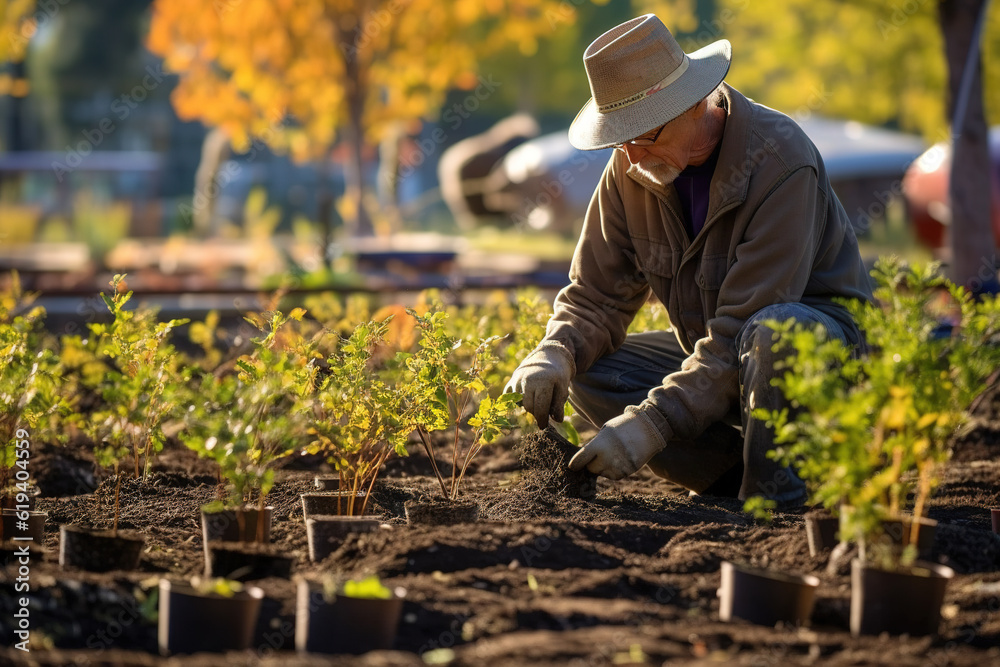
x: 876, y: 62
x: 296, y: 73
x: 17, y: 26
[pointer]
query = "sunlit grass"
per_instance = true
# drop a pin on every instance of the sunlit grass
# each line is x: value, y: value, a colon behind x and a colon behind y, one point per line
x: 540, y: 245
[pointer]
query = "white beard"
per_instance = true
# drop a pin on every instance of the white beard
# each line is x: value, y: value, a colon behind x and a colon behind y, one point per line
x: 655, y: 172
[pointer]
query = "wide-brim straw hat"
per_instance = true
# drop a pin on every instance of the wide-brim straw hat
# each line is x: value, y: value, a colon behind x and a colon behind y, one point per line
x: 640, y: 78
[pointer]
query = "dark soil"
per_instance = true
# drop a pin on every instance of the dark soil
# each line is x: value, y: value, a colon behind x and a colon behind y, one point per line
x: 626, y: 576
x: 544, y: 457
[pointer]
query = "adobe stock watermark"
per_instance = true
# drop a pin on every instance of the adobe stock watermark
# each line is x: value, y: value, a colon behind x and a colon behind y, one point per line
x: 22, y: 583
x: 121, y: 108
x: 45, y: 11
x: 550, y: 191
x: 899, y: 17
x: 564, y: 13
x: 370, y: 26
x: 710, y: 30
x: 205, y: 195
x: 455, y: 116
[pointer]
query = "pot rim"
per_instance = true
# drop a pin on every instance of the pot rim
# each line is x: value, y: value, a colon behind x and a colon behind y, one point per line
x: 314, y: 585
x: 809, y: 580
x: 122, y: 533
x: 167, y: 586
x: 252, y: 508
x: 344, y: 518
x: 919, y: 568
x: 331, y: 494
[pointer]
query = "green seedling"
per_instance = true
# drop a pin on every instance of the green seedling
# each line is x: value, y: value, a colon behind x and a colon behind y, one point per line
x: 358, y: 419
x: 29, y: 395
x: 871, y: 431
x: 140, y: 390
x: 444, y: 395
x: 220, y: 586
x: 248, y: 422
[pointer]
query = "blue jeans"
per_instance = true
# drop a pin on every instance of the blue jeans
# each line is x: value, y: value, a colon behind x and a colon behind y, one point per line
x: 730, y: 457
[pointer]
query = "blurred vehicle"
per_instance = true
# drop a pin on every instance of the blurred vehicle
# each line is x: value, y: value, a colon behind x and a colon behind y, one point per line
x: 465, y: 166
x: 545, y: 183
x: 865, y: 165
x: 925, y: 191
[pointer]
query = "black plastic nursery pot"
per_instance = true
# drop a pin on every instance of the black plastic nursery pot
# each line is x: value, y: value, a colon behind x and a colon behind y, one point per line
x: 336, y: 503
x: 765, y: 597
x: 99, y: 550
x: 246, y: 561
x: 229, y: 526
x: 344, y: 625
x: 27, y: 500
x: 23, y: 526
x: 439, y: 512
x: 821, y: 532
x: 192, y: 622
x: 906, y: 601
x: 326, y: 533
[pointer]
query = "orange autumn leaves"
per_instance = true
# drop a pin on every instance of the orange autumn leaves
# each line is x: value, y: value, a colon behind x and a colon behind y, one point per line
x: 290, y: 73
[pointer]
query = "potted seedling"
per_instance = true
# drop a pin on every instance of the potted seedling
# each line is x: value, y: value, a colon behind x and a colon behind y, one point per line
x: 447, y: 397
x: 28, y: 400
x: 214, y: 615
x: 141, y: 384
x: 871, y: 431
x: 246, y: 424
x: 354, y: 616
x: 138, y: 395
x: 357, y: 421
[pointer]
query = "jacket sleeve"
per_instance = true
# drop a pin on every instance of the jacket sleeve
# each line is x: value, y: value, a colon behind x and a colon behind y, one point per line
x: 773, y: 262
x: 606, y: 287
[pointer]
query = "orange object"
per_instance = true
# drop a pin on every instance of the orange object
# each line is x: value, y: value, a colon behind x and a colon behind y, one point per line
x: 925, y: 191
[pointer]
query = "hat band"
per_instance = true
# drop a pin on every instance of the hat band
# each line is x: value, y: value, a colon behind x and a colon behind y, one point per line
x: 673, y: 76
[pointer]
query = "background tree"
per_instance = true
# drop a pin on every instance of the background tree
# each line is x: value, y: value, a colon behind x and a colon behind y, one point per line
x: 298, y: 76
x: 86, y: 53
x: 17, y: 25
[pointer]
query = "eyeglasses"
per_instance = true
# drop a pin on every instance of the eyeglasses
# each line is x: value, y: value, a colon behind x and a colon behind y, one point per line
x: 641, y: 141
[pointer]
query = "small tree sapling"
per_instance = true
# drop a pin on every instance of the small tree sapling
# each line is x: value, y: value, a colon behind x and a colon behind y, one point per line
x: 869, y: 431
x: 29, y: 397
x: 138, y: 391
x: 358, y: 420
x: 443, y: 395
x: 256, y: 418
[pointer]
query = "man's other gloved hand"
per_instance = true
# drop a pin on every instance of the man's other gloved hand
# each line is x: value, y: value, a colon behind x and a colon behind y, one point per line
x: 543, y: 380
x: 622, y: 446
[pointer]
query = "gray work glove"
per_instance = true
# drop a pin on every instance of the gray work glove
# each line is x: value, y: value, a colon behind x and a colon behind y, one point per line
x: 543, y: 380
x: 622, y: 446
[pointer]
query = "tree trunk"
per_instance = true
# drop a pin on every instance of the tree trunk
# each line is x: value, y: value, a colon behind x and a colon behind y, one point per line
x: 355, y: 178
x: 324, y: 209
x: 215, y: 150
x: 355, y: 172
x: 973, y: 259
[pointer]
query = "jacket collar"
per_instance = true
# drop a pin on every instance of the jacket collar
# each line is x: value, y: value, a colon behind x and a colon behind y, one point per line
x: 731, y: 180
